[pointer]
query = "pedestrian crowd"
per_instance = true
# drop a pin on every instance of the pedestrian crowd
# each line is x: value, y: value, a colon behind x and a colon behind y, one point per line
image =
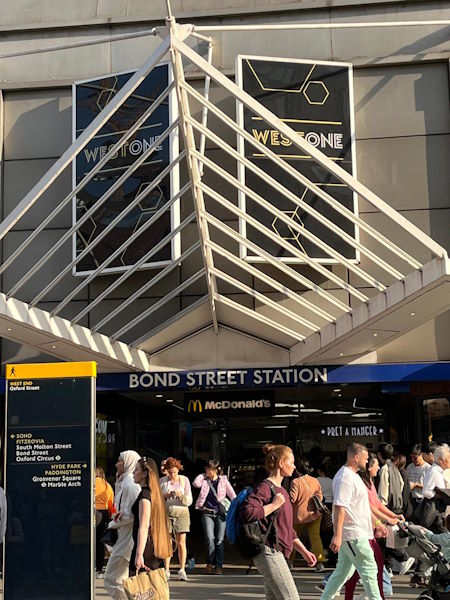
x: 339, y: 522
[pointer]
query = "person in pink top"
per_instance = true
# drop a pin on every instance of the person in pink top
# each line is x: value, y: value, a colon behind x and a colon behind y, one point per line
x: 214, y: 489
x: 380, y: 515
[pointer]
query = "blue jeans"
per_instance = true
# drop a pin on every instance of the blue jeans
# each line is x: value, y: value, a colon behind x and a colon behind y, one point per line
x: 214, y: 525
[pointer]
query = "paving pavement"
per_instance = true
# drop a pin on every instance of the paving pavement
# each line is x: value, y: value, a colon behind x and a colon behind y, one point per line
x: 235, y: 583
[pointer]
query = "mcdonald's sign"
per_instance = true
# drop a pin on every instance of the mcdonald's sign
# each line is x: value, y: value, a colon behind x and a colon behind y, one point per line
x: 224, y: 404
x: 194, y: 406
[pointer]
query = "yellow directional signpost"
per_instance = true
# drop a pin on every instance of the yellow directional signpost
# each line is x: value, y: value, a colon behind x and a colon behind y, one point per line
x: 49, y: 479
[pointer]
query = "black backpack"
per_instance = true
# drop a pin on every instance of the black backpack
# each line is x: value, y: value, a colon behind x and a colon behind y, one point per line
x: 250, y: 540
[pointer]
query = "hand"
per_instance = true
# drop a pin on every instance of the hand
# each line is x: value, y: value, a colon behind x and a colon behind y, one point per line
x: 139, y: 562
x: 392, y: 521
x: 278, y: 501
x: 401, y: 518
x: 336, y: 543
x: 310, y: 558
x: 178, y: 495
x: 117, y: 516
x: 380, y: 531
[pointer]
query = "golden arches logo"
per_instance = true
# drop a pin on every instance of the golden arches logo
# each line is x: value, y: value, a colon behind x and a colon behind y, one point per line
x: 195, y: 406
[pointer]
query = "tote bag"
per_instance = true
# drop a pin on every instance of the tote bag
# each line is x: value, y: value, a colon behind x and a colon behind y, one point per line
x: 148, y: 585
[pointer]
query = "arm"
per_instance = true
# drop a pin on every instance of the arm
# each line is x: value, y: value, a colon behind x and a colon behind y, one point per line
x: 144, y: 524
x: 230, y: 491
x: 307, y: 555
x: 186, y: 499
x: 258, y: 505
x: 381, y: 513
x: 319, y: 492
x: 293, y: 493
x: 198, y: 481
x: 110, y: 499
x: 125, y: 516
x: 339, y: 515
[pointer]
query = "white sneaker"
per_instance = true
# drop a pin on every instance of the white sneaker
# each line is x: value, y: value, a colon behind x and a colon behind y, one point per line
x: 167, y: 574
x: 182, y: 575
x: 406, y: 565
x: 100, y: 575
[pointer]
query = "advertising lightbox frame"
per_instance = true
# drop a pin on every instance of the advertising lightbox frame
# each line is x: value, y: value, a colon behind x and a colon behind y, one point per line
x: 40, y: 373
x: 243, y: 251
x: 174, y: 176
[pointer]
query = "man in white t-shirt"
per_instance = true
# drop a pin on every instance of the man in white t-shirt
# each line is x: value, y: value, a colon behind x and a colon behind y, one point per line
x: 353, y: 527
x: 416, y: 471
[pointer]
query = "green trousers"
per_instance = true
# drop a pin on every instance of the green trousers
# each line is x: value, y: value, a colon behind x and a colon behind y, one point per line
x: 355, y: 554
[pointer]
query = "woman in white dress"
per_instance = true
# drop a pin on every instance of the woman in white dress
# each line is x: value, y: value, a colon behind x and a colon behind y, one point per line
x: 126, y: 493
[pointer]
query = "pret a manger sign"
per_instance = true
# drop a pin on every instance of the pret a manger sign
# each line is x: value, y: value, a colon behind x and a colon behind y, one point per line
x: 315, y: 99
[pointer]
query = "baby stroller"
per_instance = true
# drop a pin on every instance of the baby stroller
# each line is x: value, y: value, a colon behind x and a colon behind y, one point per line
x: 430, y: 557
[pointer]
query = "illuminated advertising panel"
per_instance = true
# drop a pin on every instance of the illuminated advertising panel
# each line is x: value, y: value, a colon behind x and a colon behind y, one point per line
x: 316, y: 100
x: 89, y: 98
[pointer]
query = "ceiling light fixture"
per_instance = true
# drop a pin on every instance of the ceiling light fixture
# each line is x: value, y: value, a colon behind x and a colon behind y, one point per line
x: 337, y: 412
x: 341, y: 354
x: 169, y: 400
x: 9, y: 329
x: 159, y: 395
x: 285, y: 415
x: 275, y: 426
x: 375, y: 334
x: 412, y: 314
x: 363, y: 415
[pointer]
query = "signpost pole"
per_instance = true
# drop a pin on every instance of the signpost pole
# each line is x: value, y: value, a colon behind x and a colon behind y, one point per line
x: 49, y: 481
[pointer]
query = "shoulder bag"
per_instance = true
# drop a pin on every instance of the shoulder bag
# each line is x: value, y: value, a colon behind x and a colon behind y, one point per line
x: 224, y: 504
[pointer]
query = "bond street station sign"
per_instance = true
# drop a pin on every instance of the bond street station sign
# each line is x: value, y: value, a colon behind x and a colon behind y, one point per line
x: 89, y: 98
x: 316, y: 100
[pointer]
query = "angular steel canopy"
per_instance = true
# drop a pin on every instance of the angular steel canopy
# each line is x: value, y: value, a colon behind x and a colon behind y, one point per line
x: 317, y: 313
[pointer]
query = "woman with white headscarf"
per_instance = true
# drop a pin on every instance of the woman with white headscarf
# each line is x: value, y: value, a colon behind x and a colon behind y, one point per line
x: 126, y: 493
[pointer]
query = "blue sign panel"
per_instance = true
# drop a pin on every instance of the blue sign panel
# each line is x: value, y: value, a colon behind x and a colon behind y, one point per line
x: 274, y: 377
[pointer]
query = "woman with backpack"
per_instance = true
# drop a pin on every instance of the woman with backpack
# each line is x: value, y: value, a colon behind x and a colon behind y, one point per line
x: 269, y: 504
x: 213, y: 500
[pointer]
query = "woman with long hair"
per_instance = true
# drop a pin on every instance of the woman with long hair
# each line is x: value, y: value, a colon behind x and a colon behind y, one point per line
x: 152, y: 541
x: 177, y: 494
x: 126, y: 493
x: 104, y: 508
x: 214, y: 488
x: 269, y: 504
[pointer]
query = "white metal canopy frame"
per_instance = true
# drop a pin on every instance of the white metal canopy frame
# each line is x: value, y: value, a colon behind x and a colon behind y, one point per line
x: 318, y: 312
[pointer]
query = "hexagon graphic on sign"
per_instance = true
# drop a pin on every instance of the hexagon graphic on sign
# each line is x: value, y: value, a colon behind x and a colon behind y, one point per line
x: 316, y: 92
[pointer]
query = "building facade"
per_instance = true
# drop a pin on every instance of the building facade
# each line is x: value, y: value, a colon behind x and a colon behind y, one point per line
x: 402, y: 138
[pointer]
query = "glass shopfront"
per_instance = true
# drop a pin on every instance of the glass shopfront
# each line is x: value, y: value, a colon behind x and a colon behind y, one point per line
x: 230, y: 414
